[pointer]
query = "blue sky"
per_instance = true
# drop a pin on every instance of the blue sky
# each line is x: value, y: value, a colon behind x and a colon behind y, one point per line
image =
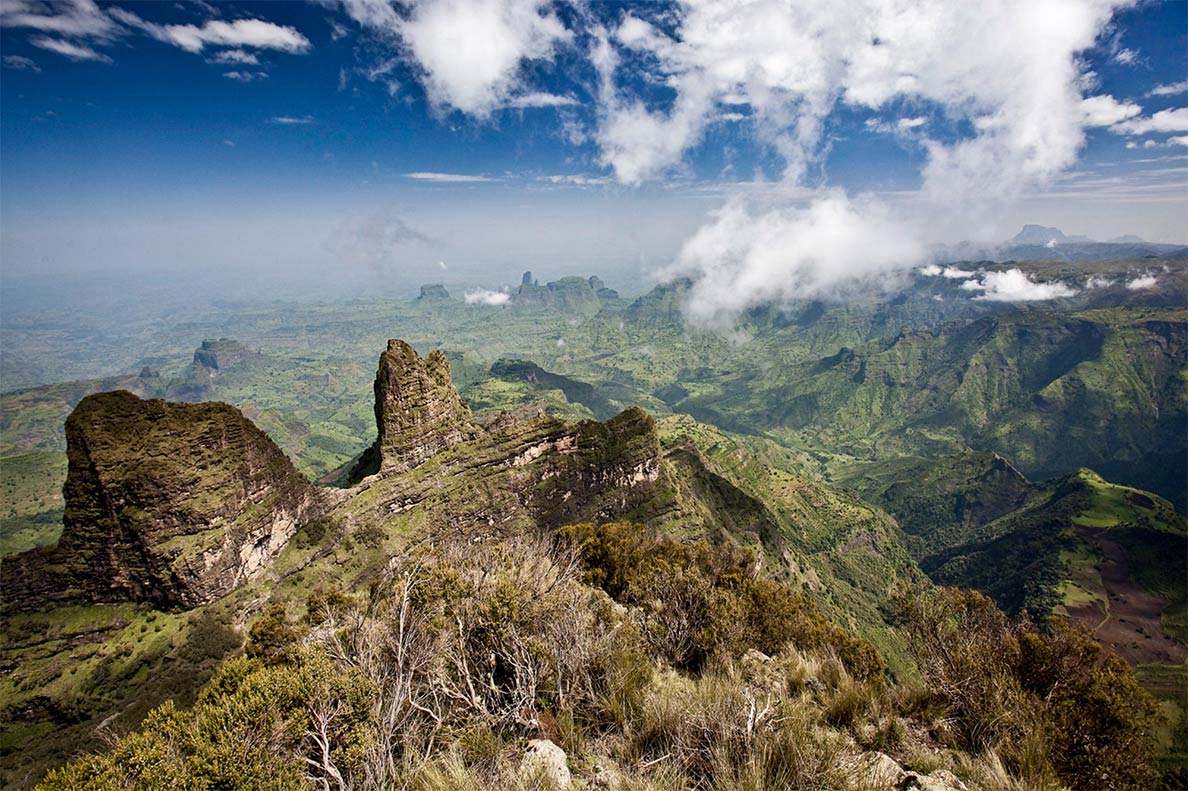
x: 349, y: 140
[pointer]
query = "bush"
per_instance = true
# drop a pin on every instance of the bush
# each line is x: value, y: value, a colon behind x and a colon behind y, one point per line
x: 696, y: 600
x: 1048, y: 701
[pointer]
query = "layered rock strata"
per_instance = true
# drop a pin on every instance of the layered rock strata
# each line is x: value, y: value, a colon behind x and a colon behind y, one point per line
x: 170, y: 503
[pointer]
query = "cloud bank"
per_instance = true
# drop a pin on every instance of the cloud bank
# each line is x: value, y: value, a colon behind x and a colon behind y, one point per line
x: 1014, y: 285
x: 1019, y: 92
x: 747, y: 256
x: 482, y: 296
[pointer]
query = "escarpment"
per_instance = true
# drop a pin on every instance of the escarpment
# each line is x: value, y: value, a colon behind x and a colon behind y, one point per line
x: 170, y: 503
x: 433, y: 456
x: 178, y: 504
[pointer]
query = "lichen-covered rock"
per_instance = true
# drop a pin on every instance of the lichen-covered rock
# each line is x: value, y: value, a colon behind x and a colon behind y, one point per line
x: 171, y: 503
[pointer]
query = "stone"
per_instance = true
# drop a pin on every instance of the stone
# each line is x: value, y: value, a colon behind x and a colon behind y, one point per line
x: 545, y: 760
x: 939, y: 780
x: 879, y: 770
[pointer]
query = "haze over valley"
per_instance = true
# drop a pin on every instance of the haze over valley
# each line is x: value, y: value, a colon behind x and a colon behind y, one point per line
x: 455, y: 394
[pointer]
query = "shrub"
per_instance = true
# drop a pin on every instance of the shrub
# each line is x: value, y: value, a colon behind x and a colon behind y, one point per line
x: 1045, y: 700
x: 695, y: 600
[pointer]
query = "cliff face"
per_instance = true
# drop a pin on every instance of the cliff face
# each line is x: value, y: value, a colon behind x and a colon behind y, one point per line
x: 526, y: 469
x: 417, y: 411
x: 221, y: 354
x: 171, y: 503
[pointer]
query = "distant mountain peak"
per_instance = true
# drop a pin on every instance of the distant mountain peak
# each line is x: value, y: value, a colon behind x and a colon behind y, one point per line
x: 1046, y: 236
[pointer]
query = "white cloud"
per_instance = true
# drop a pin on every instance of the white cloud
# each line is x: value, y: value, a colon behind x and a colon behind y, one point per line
x: 293, y: 120
x: 1170, y: 120
x: 1019, y: 90
x: 245, y: 76
x: 482, y: 296
x: 1169, y: 89
x: 77, y: 18
x: 532, y: 100
x: 20, y: 63
x: 1140, y: 283
x: 1178, y: 140
x: 448, y: 178
x: 1105, y: 110
x: 746, y: 255
x: 792, y: 62
x: 68, y: 50
x: 231, y: 57
x: 1015, y: 286
x: 469, y: 52
x: 576, y: 180
x: 932, y: 270
x: 1126, y: 56
x: 1099, y: 281
x: 254, y: 33
x: 956, y: 273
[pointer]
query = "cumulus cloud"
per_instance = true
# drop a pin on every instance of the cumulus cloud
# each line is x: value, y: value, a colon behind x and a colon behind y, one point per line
x: 1014, y: 285
x: 748, y: 255
x: 470, y: 53
x: 20, y: 63
x: 1171, y: 120
x: 69, y: 50
x: 793, y: 62
x: 482, y: 296
x: 1099, y: 281
x: 950, y: 272
x: 447, y: 178
x: 254, y: 33
x: 1019, y: 93
x: 1140, y: 283
x: 1107, y: 111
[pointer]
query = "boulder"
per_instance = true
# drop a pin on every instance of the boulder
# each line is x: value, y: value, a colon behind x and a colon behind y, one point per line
x: 545, y: 760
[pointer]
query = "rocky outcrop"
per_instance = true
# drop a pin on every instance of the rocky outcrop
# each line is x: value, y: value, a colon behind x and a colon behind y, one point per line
x: 433, y: 292
x: 516, y: 469
x: 568, y: 293
x: 221, y: 354
x: 170, y: 503
x: 417, y: 411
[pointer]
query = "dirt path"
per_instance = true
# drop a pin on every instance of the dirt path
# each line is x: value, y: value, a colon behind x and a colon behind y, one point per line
x: 1129, y: 625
